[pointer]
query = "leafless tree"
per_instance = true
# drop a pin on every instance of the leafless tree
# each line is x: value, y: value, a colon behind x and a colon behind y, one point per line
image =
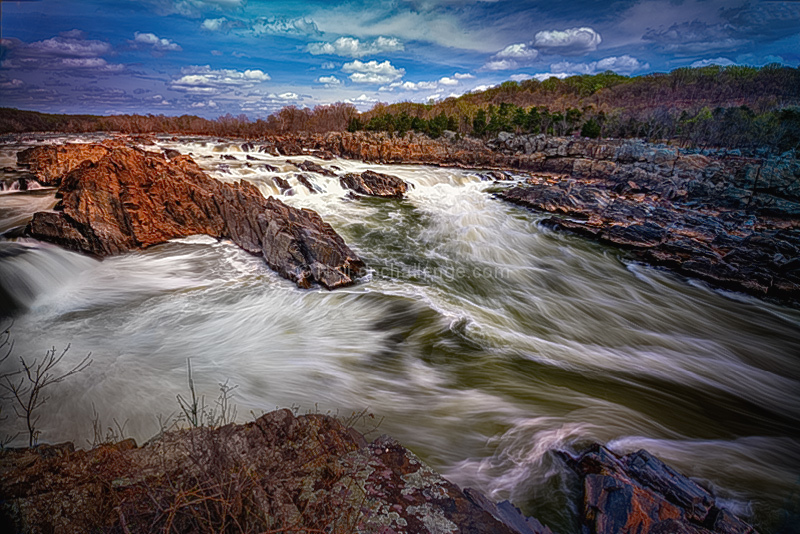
x: 26, y: 387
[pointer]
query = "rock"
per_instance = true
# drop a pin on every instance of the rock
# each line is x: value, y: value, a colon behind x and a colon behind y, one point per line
x: 171, y: 153
x: 229, y: 157
x: 639, y: 493
x: 306, y: 181
x: 283, y: 185
x: 132, y: 199
x: 278, y: 473
x: 49, y: 163
x: 375, y: 184
x: 310, y: 166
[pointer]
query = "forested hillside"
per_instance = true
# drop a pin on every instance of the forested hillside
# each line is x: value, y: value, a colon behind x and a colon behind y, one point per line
x: 733, y: 106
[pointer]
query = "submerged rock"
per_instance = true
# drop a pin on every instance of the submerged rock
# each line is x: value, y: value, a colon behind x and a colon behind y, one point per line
x: 374, y: 184
x: 131, y: 199
x: 640, y: 493
x: 278, y: 473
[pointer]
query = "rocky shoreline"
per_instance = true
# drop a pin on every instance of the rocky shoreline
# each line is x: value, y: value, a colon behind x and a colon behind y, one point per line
x: 312, y: 473
x: 729, y: 220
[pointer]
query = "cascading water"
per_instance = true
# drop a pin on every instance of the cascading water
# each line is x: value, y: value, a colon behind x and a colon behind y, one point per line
x: 483, y: 340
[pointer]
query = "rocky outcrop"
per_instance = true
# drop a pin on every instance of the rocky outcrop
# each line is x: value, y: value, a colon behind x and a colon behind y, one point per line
x: 638, y: 493
x: 49, y: 163
x: 310, y: 166
x: 374, y: 184
x: 131, y: 199
x: 279, y: 473
x: 715, y: 215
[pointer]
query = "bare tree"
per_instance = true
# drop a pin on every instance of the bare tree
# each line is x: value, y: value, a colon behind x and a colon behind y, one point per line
x: 27, y: 392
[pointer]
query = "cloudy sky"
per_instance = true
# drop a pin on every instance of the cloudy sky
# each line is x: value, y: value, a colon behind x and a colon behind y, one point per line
x: 210, y: 57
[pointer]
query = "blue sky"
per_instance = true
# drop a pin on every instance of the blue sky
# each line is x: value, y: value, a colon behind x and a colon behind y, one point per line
x: 211, y: 57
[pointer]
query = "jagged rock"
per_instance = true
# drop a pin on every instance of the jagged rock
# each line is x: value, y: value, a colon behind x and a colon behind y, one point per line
x: 639, y: 493
x: 283, y: 185
x: 278, y: 472
x: 49, y: 163
x: 375, y: 184
x: 306, y: 181
x: 310, y: 166
x: 132, y: 199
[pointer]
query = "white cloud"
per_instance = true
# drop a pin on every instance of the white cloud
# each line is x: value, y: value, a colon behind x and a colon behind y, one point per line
x: 328, y: 65
x: 216, y: 53
x: 289, y: 96
x: 214, y: 25
x: 66, y: 52
x: 263, y: 26
x: 480, y: 88
x: 501, y: 64
x: 352, y: 47
x: 574, y: 41
x: 462, y: 76
x: 619, y: 64
x: 277, y: 26
x: 421, y: 86
x: 373, y: 72
x: 14, y: 83
x: 547, y: 75
x: 203, y: 79
x: 521, y: 77
x: 721, y: 61
x: 518, y: 51
x: 143, y: 40
x: 329, y: 81
x: 209, y: 104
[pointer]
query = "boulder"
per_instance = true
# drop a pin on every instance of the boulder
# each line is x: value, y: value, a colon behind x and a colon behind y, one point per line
x: 374, y: 184
x: 132, y: 199
x: 638, y: 493
x: 310, y: 166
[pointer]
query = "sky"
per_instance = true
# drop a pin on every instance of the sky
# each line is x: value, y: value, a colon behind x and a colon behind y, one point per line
x: 253, y: 57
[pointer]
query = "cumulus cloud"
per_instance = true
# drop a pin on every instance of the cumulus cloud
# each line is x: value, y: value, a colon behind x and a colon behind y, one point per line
x: 352, y: 47
x: 462, y: 75
x: 328, y: 65
x: 373, y: 72
x: 517, y: 51
x: 446, y: 81
x: 154, y: 43
x: 721, y: 61
x: 10, y: 83
x: 619, y: 64
x: 329, y: 81
x: 203, y: 80
x: 69, y: 51
x: 570, y: 42
x: 513, y: 56
x: 501, y: 64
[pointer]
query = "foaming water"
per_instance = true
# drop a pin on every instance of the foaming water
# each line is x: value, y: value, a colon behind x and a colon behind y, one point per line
x: 483, y: 340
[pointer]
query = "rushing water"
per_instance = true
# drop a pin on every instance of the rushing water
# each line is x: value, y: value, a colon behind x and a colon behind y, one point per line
x: 481, y: 339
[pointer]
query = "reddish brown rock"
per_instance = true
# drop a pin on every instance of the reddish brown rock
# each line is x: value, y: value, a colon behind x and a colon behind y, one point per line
x: 131, y: 199
x: 638, y: 493
x: 49, y: 163
x: 374, y: 184
x: 280, y: 473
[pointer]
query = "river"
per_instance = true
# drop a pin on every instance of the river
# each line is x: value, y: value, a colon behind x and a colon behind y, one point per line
x: 479, y: 339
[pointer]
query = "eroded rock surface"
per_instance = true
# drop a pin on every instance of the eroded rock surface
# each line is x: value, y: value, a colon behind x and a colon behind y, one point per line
x: 638, y: 493
x: 49, y: 163
x: 278, y: 473
x: 130, y: 199
x: 374, y: 184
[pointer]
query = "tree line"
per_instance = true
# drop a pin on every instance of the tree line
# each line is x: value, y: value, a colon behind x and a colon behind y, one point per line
x: 711, y: 106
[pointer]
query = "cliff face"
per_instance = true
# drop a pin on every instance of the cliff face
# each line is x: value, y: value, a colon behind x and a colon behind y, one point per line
x: 128, y: 199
